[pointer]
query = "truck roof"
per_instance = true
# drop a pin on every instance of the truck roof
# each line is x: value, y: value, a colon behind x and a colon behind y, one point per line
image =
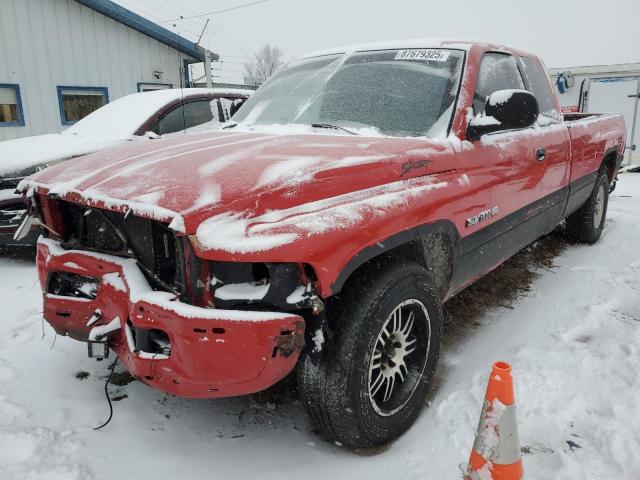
x: 457, y: 43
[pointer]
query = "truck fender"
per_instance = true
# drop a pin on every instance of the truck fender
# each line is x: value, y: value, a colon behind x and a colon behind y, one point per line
x: 420, y: 243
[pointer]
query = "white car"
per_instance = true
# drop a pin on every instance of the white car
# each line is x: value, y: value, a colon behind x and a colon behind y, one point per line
x: 135, y: 117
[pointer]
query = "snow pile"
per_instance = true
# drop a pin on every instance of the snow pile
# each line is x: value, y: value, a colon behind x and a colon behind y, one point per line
x: 318, y: 340
x: 229, y: 232
x: 503, y: 96
x: 242, y: 291
x: 99, y: 332
x: 114, y: 280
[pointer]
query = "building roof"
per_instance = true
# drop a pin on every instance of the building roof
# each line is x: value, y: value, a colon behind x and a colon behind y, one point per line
x: 618, y: 69
x: 142, y: 25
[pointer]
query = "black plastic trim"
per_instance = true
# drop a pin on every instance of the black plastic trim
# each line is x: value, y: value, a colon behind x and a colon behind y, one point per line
x: 396, y: 240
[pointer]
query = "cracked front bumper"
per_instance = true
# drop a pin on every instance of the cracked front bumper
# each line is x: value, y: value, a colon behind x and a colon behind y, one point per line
x: 213, y: 353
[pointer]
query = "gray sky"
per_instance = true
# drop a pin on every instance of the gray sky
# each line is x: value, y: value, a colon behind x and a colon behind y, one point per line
x: 563, y: 33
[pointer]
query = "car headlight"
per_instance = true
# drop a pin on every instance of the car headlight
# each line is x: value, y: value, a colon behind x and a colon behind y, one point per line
x: 10, y: 182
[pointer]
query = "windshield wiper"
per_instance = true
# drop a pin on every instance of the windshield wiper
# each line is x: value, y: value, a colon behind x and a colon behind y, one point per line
x: 333, y: 127
x: 230, y: 126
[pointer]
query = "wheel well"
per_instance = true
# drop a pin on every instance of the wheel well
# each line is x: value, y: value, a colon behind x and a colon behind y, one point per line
x: 609, y: 164
x: 434, y: 251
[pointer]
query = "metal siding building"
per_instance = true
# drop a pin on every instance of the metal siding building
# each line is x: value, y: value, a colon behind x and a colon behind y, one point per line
x: 47, y: 44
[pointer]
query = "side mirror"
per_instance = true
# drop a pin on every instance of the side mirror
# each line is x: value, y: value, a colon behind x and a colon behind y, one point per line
x: 505, y: 110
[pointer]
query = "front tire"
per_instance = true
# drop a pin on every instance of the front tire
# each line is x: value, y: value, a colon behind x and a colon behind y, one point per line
x: 585, y: 225
x: 375, y: 372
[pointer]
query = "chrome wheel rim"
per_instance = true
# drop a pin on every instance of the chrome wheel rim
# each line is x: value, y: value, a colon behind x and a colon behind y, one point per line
x: 598, y: 210
x: 399, y: 357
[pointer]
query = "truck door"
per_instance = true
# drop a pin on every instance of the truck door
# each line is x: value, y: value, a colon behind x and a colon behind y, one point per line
x: 524, y: 173
x: 551, y: 135
x: 530, y: 164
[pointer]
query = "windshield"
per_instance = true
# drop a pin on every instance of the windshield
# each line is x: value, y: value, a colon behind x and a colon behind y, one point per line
x: 396, y: 92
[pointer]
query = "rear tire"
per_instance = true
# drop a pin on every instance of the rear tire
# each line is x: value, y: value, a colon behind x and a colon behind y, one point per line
x: 585, y: 225
x: 376, y: 369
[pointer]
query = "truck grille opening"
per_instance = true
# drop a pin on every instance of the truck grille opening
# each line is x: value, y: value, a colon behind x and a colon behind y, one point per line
x: 71, y: 285
x: 150, y: 341
x: 153, y: 244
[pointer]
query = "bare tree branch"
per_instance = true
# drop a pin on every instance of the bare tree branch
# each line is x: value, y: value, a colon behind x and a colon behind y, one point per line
x: 265, y: 63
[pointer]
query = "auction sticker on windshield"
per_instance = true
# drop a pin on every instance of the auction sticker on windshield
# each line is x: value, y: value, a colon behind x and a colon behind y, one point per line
x: 431, y: 54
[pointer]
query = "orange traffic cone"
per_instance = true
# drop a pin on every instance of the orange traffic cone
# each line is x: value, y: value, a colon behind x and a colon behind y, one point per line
x: 496, y: 451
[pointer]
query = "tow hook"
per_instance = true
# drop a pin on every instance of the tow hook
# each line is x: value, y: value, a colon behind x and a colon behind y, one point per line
x: 291, y: 341
x: 317, y: 305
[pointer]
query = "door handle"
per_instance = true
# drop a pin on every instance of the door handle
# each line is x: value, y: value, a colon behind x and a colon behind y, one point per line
x: 540, y: 154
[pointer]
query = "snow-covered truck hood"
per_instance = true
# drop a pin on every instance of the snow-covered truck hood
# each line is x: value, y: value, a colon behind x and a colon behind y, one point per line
x: 24, y: 153
x: 192, y: 179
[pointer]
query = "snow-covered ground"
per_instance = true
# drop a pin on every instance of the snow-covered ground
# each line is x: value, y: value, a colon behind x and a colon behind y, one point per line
x: 573, y: 339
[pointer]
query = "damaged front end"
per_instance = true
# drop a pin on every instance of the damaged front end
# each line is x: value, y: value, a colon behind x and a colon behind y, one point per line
x: 190, y: 327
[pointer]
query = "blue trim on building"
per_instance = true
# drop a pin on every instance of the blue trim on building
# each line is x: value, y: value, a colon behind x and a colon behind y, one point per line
x: 141, y: 24
x: 61, y: 88
x: 140, y: 84
x: 20, y: 122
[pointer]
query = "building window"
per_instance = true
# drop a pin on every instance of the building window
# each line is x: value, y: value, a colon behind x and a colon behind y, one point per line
x: 149, y: 87
x: 11, y: 114
x: 78, y: 102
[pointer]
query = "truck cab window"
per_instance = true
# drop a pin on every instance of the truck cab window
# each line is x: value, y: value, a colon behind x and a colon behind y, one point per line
x: 539, y: 86
x: 497, y: 71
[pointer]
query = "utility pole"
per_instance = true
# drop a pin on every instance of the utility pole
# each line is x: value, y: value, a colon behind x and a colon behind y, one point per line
x: 207, y: 58
x: 207, y: 68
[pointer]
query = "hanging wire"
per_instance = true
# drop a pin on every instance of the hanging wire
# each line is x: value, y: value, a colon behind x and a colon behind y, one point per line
x: 106, y: 392
x: 215, y: 12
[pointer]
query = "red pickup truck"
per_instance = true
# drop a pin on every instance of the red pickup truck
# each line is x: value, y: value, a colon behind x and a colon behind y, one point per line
x: 356, y: 191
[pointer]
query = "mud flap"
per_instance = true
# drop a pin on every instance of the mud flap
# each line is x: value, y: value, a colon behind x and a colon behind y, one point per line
x: 315, y: 324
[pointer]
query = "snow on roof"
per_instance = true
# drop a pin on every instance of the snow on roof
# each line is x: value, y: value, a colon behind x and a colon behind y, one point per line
x: 122, y: 117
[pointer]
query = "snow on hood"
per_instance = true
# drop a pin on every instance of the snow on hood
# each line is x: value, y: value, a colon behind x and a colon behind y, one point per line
x: 191, y: 178
x: 24, y: 153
